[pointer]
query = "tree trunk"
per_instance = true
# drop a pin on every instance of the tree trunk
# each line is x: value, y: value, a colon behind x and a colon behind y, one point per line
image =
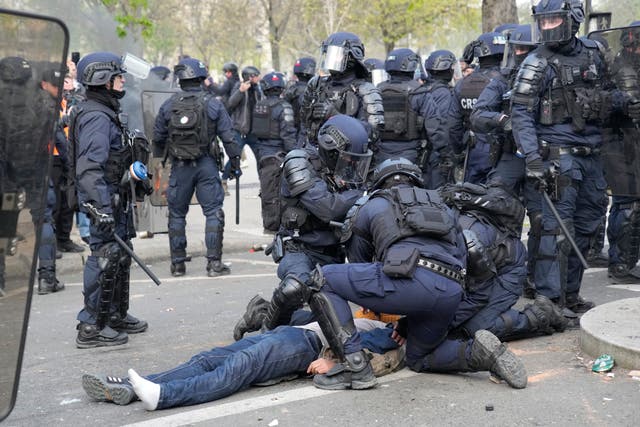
x: 497, y: 12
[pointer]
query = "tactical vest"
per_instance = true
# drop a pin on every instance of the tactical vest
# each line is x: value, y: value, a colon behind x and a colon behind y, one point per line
x: 401, y: 122
x: 264, y: 126
x: 470, y: 89
x: 344, y: 98
x: 188, y: 125
x: 502, y: 252
x: 575, y: 77
x: 416, y: 212
x: 119, y: 159
x: 293, y: 95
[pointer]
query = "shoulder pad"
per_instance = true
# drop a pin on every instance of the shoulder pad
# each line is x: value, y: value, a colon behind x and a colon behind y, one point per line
x: 527, y: 83
x: 298, y: 171
x: 287, y: 112
x: 347, y: 227
x: 365, y: 88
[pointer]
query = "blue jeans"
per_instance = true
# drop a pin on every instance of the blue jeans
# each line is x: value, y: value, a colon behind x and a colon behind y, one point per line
x: 222, y: 371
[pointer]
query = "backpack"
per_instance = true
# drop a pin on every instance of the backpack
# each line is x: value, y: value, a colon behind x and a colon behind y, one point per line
x: 188, y: 136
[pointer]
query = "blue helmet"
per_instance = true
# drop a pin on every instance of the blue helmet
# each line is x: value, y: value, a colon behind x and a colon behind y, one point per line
x: 305, y: 68
x: 343, y: 146
x: 518, y: 47
x: 557, y: 20
x: 374, y: 64
x: 376, y: 70
x: 342, y: 50
x: 393, y: 167
x: 505, y: 29
x: 190, y: 68
x: 402, y: 60
x: 440, y: 60
x: 98, y: 68
x: 489, y: 44
x: 272, y: 81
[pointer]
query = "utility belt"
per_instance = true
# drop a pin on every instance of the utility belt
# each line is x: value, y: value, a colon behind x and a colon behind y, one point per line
x: 442, y: 269
x: 552, y: 152
x: 179, y: 162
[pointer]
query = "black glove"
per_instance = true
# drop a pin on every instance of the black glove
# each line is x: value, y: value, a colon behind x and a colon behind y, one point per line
x: 105, y: 222
x: 535, y: 168
x: 322, y: 111
x: 234, y: 162
x: 633, y: 109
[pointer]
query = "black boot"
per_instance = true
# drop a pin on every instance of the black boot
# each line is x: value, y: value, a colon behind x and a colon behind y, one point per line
x: 538, y: 319
x: 130, y: 324
x: 577, y: 304
x: 178, y: 269
x: 49, y: 284
x: 252, y: 318
x: 556, y: 320
x: 619, y: 273
x: 103, y: 388
x: 215, y: 268
x: 69, y: 246
x: 90, y: 336
x: 489, y: 354
x: 354, y: 373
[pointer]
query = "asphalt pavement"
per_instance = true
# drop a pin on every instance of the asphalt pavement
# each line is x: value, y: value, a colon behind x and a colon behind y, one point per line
x: 195, y: 312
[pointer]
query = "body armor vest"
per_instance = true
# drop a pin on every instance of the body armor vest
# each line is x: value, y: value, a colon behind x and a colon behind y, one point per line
x: 470, y: 89
x: 263, y: 124
x: 189, y: 125
x: 119, y: 159
x: 416, y: 212
x: 401, y: 122
x: 575, y: 77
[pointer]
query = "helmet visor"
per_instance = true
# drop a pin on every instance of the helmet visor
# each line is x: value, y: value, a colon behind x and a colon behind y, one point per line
x: 514, y: 54
x: 552, y: 27
x: 352, y: 168
x: 135, y: 66
x: 334, y: 59
x: 379, y: 76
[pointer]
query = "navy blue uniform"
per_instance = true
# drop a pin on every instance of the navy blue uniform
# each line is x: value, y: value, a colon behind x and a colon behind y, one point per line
x: 98, y: 139
x: 429, y: 300
x: 438, y: 170
x: 478, y: 165
x: 544, y: 127
x: 200, y: 175
x: 294, y: 94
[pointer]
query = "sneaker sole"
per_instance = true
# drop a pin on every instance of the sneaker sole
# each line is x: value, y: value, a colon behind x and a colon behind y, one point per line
x: 506, y: 366
x: 216, y: 274
x: 97, y: 389
x: 131, y: 331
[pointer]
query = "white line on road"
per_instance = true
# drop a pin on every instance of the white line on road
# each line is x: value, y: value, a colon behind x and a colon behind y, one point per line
x: 246, y: 405
x: 194, y: 278
x: 634, y: 288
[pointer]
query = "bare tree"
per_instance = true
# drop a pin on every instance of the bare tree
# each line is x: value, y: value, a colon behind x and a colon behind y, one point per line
x: 497, y: 12
x: 277, y: 13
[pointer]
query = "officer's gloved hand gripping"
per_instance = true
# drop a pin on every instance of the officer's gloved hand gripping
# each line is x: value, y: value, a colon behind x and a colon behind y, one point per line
x: 104, y: 221
x: 236, y: 171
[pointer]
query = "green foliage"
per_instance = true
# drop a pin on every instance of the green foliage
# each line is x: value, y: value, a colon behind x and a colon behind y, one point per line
x: 131, y: 15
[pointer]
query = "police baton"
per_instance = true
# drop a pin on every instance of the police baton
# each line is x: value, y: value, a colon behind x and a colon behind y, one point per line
x: 237, y: 200
x: 95, y: 214
x: 565, y: 230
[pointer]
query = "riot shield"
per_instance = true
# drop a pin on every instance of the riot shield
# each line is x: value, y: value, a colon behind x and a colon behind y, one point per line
x: 621, y: 151
x: 30, y: 46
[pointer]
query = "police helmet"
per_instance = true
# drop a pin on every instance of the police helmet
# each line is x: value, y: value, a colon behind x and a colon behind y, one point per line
x: 272, y: 82
x: 376, y: 70
x: 14, y: 69
x: 343, y: 148
x: 505, y: 29
x: 518, y: 47
x: 373, y: 64
x: 440, y: 60
x: 248, y: 72
x: 190, y: 68
x: 304, y: 68
x: 230, y: 67
x: 341, y: 51
x: 557, y: 20
x: 489, y: 44
x: 99, y: 68
x: 392, y: 168
x: 161, y: 71
x: 402, y: 60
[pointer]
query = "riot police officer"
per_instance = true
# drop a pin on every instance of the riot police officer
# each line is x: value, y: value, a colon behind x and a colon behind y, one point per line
x: 405, y: 133
x: 345, y: 90
x: 273, y: 125
x: 488, y: 48
x: 557, y: 134
x: 376, y: 70
x: 621, y: 159
x: 304, y: 69
x: 441, y: 67
x: 492, y: 116
x: 186, y: 128
x: 318, y: 187
x: 418, y: 269
x: 101, y: 160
